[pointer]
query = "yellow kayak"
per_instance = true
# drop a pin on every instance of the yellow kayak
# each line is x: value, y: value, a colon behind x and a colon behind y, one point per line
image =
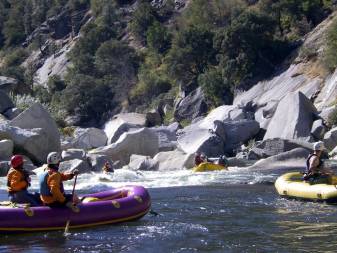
x: 293, y: 186
x: 207, y: 166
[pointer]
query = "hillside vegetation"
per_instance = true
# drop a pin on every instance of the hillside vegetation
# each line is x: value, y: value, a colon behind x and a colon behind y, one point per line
x: 132, y: 54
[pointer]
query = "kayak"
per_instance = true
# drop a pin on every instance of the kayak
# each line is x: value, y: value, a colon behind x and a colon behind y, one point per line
x: 113, y: 206
x: 207, y: 166
x: 292, y: 185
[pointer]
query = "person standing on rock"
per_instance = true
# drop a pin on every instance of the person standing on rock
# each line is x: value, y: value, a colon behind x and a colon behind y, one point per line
x: 315, y: 170
x: 18, y: 181
x: 51, y: 184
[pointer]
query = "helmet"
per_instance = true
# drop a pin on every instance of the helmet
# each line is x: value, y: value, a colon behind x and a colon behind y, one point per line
x: 16, y: 161
x: 53, y: 158
x: 319, y: 145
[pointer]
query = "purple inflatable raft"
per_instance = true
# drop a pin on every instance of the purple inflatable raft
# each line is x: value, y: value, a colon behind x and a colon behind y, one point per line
x: 113, y: 206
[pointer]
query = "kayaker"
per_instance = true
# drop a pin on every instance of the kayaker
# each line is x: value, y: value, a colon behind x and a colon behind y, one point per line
x: 18, y: 181
x: 199, y: 158
x: 315, y: 171
x: 51, y: 184
x: 107, y: 168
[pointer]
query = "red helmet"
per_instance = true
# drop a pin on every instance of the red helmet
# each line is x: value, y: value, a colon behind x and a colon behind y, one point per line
x: 16, y: 161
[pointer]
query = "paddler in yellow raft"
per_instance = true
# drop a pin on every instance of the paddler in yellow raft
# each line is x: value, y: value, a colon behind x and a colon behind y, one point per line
x: 203, y: 164
x: 315, y: 171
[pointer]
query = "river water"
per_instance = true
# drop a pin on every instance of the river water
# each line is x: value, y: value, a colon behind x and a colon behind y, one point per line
x: 234, y: 211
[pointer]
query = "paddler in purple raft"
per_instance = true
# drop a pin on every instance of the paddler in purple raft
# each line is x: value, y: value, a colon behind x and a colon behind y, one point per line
x: 18, y: 181
x: 51, y: 184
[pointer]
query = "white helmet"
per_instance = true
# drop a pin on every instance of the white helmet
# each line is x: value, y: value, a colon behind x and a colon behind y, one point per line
x: 53, y: 158
x: 319, y: 145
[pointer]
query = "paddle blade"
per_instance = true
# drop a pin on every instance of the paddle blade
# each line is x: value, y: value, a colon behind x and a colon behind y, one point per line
x: 66, y: 229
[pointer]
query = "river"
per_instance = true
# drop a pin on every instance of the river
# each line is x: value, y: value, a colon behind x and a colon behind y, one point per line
x: 234, y: 211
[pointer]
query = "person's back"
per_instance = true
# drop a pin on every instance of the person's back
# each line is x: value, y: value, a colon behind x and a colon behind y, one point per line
x: 51, y: 183
x: 18, y: 181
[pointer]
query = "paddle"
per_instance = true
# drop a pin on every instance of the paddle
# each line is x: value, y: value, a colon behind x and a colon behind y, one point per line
x: 66, y: 229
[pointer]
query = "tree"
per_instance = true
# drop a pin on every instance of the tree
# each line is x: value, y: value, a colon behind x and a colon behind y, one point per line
x: 88, y: 98
x: 216, y: 87
x: 117, y: 59
x: 14, y: 30
x: 142, y: 19
x: 192, y: 50
x: 248, y: 48
x: 158, y: 37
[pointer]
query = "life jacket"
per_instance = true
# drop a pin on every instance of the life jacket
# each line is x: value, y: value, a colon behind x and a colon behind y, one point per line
x: 307, y: 169
x: 44, y: 187
x: 24, y: 178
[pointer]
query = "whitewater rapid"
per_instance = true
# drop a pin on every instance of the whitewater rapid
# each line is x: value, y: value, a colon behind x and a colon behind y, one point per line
x: 159, y: 179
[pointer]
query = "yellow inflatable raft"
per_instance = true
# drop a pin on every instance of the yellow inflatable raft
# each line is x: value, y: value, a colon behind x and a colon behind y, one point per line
x: 291, y: 185
x: 207, y: 166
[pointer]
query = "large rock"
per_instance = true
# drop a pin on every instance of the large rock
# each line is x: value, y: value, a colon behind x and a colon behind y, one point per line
x: 5, y: 102
x: 174, y: 160
x: 330, y: 139
x: 239, y: 132
x: 318, y: 129
x: 142, y: 142
x: 139, y: 162
x: 122, y: 123
x: 80, y: 165
x: 12, y: 113
x: 329, y: 92
x: 264, y: 114
x: 191, y: 106
x: 193, y: 139
x: 153, y: 118
x: 32, y: 142
x: 4, y: 167
x: 88, y: 138
x: 276, y: 146
x: 221, y: 113
x: 97, y: 162
x: 7, y: 84
x: 293, y: 118
x: 71, y: 154
x: 275, y: 89
x: 6, y: 149
x: 280, y: 161
x: 325, y: 113
x: 37, y: 117
x: 167, y: 138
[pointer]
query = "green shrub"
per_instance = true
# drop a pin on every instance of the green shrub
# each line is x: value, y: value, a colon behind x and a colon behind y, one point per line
x: 158, y: 37
x: 330, y: 54
x: 217, y: 88
x: 142, y: 19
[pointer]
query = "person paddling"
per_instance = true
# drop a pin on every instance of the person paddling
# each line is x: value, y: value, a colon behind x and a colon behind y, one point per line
x: 315, y: 171
x: 107, y: 169
x: 18, y: 181
x: 51, y: 184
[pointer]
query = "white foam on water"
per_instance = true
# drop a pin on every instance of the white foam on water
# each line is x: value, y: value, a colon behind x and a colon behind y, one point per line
x: 158, y: 179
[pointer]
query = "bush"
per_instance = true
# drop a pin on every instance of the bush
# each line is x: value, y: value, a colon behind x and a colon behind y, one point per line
x: 87, y: 98
x: 330, y: 54
x: 117, y: 59
x: 217, y: 88
x: 158, y: 37
x: 191, y: 53
x: 142, y: 19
